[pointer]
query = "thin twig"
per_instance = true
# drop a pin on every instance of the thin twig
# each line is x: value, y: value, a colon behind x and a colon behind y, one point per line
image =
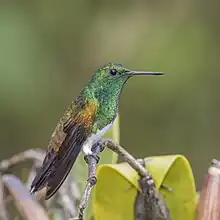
x: 125, y: 155
x: 21, y: 157
x: 92, y: 161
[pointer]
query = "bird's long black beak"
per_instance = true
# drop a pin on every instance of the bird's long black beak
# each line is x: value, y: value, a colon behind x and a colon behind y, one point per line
x: 135, y: 73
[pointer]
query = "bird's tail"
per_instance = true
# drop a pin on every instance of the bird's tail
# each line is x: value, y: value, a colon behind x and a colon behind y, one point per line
x: 54, y: 171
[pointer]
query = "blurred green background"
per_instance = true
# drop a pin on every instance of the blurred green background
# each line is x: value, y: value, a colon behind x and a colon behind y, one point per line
x: 49, y: 49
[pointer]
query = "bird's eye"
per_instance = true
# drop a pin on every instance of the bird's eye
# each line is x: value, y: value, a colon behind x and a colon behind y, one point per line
x: 113, y: 72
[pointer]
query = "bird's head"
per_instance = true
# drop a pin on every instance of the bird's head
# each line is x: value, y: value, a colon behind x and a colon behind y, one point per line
x: 110, y: 79
x: 116, y: 74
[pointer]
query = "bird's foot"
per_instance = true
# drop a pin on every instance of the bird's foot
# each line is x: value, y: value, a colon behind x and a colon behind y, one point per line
x: 100, y: 146
x: 88, y: 156
x: 93, y: 152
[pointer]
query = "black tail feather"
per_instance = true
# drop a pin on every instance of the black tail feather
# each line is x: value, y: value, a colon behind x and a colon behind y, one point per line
x: 40, y: 181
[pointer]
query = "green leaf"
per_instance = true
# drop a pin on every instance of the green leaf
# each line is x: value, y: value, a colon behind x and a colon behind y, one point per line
x: 115, y: 200
x: 80, y: 169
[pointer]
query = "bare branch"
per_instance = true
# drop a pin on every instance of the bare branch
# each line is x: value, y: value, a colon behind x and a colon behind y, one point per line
x: 92, y: 161
x: 22, y: 157
x: 126, y: 156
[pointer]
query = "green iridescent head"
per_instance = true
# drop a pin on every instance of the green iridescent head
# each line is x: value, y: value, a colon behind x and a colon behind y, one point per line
x: 112, y: 74
x: 110, y: 79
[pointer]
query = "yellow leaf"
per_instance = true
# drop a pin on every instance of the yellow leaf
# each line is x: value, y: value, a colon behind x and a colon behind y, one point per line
x: 117, y: 187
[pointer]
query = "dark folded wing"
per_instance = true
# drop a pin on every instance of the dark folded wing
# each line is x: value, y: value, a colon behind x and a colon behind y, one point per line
x: 64, y: 161
x: 64, y: 147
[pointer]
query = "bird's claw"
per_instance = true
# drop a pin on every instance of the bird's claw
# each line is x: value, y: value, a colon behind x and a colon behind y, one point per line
x: 100, y: 145
x: 96, y: 157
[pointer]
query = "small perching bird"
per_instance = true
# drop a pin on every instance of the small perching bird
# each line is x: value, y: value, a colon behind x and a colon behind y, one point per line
x: 87, y: 119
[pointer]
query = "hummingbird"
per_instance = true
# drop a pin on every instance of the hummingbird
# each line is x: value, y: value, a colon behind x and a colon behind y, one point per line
x: 83, y: 124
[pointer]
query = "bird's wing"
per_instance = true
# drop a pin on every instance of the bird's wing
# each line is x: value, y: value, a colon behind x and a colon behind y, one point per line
x: 65, y: 145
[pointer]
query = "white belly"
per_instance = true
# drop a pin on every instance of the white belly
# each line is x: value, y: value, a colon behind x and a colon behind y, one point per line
x: 94, y: 138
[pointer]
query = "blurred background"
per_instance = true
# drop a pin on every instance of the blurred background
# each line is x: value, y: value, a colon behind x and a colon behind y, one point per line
x: 49, y: 50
